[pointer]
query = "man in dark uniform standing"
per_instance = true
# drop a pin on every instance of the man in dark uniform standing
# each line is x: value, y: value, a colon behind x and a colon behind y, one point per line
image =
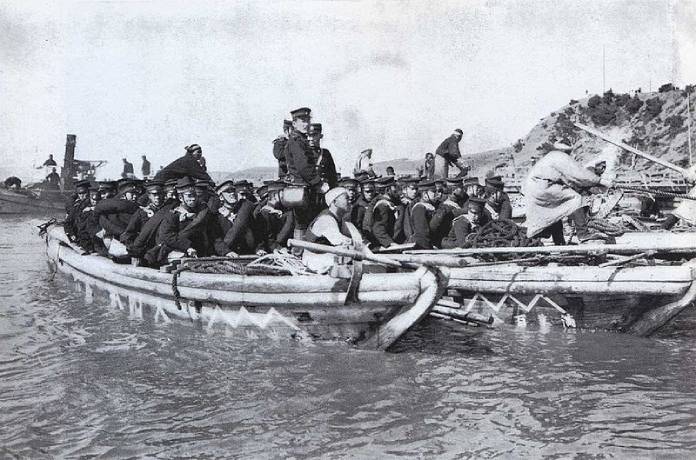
x: 325, y: 162
x: 145, y: 168
x: 53, y: 180
x: 127, y: 170
x: 279, y: 149
x: 302, y: 170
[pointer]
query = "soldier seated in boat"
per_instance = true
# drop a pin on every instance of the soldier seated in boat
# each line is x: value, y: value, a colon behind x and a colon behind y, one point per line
x: 233, y: 223
x: 72, y: 210
x: 421, y: 215
x: 358, y: 210
x: 380, y: 184
x: 450, y: 208
x: 170, y: 195
x: 115, y: 213
x: 87, y: 223
x: 107, y: 189
x: 184, y: 231
x: 155, y: 196
x: 384, y: 213
x: 274, y: 224
x: 326, y: 229
x: 409, y: 196
x: 497, y: 201
x: 466, y: 224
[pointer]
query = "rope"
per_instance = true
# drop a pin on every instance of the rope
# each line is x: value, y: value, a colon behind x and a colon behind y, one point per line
x: 500, y: 234
x: 607, y: 227
x: 655, y: 192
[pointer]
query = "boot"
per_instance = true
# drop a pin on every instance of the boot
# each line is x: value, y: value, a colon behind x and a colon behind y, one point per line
x: 463, y: 168
x: 669, y: 222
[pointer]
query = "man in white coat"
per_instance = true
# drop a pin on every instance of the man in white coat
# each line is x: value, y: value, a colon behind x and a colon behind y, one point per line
x: 551, y: 192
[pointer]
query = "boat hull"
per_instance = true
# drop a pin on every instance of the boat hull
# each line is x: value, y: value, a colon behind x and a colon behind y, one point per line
x: 12, y: 202
x: 315, y: 306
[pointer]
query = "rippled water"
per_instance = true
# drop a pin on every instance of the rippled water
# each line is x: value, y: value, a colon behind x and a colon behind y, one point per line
x: 81, y: 380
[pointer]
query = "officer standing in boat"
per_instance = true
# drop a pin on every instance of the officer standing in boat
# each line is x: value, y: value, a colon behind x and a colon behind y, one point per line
x: 302, y: 170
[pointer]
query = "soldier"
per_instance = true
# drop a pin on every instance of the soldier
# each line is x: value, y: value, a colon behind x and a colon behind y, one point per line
x: 352, y: 186
x: 234, y: 233
x: 357, y: 212
x: 72, y: 210
x: 497, y: 201
x: 170, y: 191
x: 408, y: 198
x: 325, y: 162
x: 115, y: 213
x: 49, y: 162
x: 422, y: 213
x: 202, y: 188
x: 448, y: 153
x: 188, y: 165
x: 384, y: 214
x: 447, y: 211
x: 302, y: 170
x: 465, y: 224
x: 279, y: 149
x: 183, y: 231
x: 155, y: 195
x: 107, y: 189
x: 87, y: 223
x: 275, y: 224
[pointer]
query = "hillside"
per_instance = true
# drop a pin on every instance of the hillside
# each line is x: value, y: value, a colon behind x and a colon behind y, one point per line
x: 655, y: 123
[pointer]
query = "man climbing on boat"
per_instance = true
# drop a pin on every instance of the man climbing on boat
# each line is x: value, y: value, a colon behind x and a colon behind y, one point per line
x: 552, y: 192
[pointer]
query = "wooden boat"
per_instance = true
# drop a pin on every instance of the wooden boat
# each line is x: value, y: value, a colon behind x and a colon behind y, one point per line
x: 372, y: 310
x: 634, y: 291
x: 25, y: 201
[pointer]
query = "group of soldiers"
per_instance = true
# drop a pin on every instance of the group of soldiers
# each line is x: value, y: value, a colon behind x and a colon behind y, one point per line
x: 182, y: 213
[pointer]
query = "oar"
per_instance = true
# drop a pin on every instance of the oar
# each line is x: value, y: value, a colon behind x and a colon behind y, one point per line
x: 688, y: 174
x: 344, y: 252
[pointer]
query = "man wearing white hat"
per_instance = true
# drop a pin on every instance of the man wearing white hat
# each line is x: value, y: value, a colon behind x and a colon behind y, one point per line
x: 326, y: 229
x: 551, y: 193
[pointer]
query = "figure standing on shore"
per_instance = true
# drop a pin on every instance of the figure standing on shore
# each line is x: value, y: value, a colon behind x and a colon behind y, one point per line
x: 127, y: 170
x: 145, y: 168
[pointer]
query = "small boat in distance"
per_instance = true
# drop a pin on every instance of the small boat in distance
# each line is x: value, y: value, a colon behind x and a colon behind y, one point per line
x: 40, y: 200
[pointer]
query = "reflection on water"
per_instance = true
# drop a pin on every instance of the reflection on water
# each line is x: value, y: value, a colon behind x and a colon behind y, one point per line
x: 79, y: 379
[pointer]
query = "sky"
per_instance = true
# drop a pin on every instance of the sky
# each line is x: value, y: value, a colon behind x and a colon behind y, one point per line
x: 149, y: 77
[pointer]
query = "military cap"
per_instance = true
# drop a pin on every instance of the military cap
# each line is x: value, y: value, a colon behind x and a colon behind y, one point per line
x: 471, y: 181
x: 314, y: 128
x: 93, y: 187
x: 82, y: 185
x: 348, y: 182
x: 170, y: 183
x: 302, y: 112
x: 184, y: 183
x: 455, y: 181
x: 409, y: 180
x: 384, y: 182
x: 154, y: 185
x: 426, y: 185
x: 495, y: 182
x: 202, y: 183
x: 193, y: 147
x: 125, y: 185
x: 287, y: 124
x: 362, y: 176
x: 107, y: 185
x: 227, y: 186
x: 243, y: 184
x: 476, y: 203
x: 368, y: 185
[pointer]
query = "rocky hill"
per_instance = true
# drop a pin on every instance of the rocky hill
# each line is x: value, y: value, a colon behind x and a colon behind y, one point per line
x: 655, y: 123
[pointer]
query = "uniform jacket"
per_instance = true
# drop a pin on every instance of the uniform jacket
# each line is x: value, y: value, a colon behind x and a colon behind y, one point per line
x: 327, y: 168
x: 384, y: 222
x: 181, y: 230
x: 274, y: 226
x: 235, y: 232
x: 279, y: 144
x: 421, y: 214
x: 186, y: 165
x: 301, y: 161
x: 442, y: 220
x: 114, y: 215
x: 136, y: 223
